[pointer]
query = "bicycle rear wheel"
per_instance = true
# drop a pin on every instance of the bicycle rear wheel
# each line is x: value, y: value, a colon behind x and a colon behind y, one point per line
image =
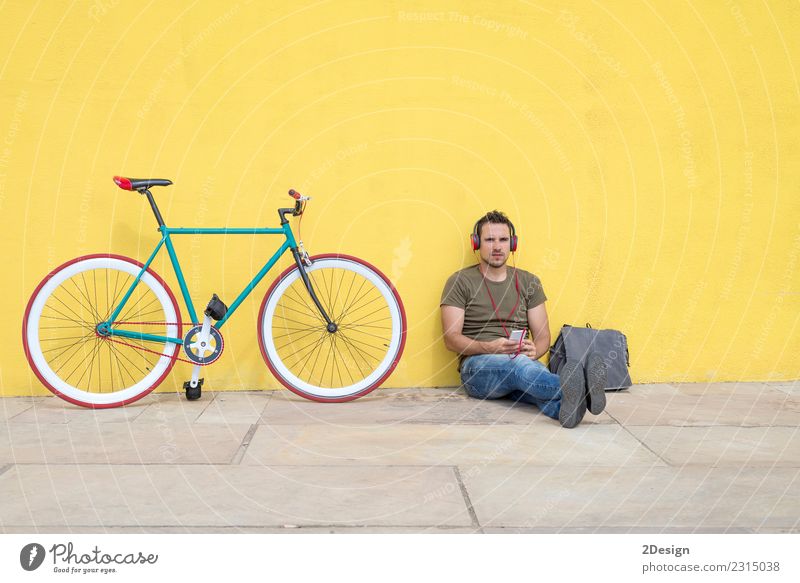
x: 67, y: 354
x: 345, y: 364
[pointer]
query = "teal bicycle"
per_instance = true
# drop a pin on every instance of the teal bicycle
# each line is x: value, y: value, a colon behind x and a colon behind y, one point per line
x: 105, y: 330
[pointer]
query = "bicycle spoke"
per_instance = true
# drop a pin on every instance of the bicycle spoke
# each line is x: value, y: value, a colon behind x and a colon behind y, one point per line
x: 62, y: 338
x: 355, y: 360
x: 325, y: 292
x: 116, y: 294
x: 335, y: 361
x: 71, y: 346
x: 94, y: 282
x: 90, y: 368
x: 347, y: 297
x: 305, y: 359
x: 138, y: 368
x: 87, y: 305
x: 110, y: 365
x: 348, y: 306
x: 290, y: 329
x: 59, y: 300
x: 66, y: 316
x: 338, y: 288
x: 279, y: 314
x: 380, y: 309
x: 352, y: 341
x: 64, y: 327
x: 346, y: 327
x: 321, y: 321
x: 352, y: 310
x: 316, y: 359
x: 371, y: 335
x: 295, y: 338
x: 299, y: 355
x: 80, y: 362
x: 327, y: 358
x: 311, y: 309
x: 321, y: 291
x: 120, y: 366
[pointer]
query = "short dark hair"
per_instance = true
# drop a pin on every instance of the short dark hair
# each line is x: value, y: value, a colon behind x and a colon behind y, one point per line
x: 493, y: 217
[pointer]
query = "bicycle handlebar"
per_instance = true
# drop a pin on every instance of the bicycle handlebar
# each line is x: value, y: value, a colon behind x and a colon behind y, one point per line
x: 299, y: 205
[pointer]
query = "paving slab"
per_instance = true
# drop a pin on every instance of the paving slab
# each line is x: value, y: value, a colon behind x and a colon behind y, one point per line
x: 788, y: 387
x: 703, y: 405
x: 11, y: 407
x: 172, y: 407
x: 235, y: 407
x: 713, y: 446
x: 543, y: 443
x: 657, y: 498
x: 119, y: 443
x: 752, y: 389
x: 89, y: 496
x: 48, y: 410
x: 387, y: 406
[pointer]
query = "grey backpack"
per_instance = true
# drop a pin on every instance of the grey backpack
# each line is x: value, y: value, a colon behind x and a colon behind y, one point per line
x: 575, y: 344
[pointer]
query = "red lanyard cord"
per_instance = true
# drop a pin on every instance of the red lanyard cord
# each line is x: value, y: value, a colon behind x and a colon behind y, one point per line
x: 511, y: 313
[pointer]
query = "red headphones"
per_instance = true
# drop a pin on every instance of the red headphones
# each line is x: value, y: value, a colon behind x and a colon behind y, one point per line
x: 475, y: 237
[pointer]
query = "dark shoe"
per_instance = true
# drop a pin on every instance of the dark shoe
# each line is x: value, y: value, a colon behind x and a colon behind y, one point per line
x: 596, y: 376
x: 573, y: 395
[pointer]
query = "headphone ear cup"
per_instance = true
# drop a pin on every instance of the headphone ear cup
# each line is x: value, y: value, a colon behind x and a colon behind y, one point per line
x: 513, y: 243
x: 476, y: 241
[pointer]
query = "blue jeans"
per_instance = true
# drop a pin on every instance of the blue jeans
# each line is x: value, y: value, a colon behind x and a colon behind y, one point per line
x: 495, y: 376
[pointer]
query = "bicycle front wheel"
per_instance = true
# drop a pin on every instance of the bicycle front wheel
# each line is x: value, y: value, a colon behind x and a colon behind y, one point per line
x: 70, y: 357
x: 332, y: 366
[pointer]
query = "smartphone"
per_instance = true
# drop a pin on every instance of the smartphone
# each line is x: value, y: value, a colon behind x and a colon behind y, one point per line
x: 517, y: 335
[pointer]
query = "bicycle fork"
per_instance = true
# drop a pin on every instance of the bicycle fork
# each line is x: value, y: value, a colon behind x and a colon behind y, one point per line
x: 301, y: 259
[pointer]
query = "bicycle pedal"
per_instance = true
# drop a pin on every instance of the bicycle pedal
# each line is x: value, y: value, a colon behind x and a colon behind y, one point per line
x: 193, y: 393
x: 216, y: 308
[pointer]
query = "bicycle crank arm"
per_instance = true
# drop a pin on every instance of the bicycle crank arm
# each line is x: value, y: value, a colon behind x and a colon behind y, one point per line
x: 195, y: 376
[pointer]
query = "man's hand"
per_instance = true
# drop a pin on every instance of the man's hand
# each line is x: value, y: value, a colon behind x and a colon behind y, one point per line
x: 501, y: 346
x: 529, y: 349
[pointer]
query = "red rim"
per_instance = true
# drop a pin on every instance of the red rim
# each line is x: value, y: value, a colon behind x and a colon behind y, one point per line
x: 35, y: 293
x: 374, y: 385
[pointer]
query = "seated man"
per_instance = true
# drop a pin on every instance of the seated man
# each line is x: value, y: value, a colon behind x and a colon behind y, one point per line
x: 481, y: 307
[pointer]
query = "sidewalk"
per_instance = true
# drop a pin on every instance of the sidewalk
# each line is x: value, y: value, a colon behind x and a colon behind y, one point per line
x: 661, y: 458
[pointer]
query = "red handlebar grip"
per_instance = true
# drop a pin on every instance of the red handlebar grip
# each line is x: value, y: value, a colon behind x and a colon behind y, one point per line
x: 294, y: 194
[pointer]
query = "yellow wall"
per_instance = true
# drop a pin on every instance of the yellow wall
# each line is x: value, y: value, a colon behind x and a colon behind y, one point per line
x: 647, y: 152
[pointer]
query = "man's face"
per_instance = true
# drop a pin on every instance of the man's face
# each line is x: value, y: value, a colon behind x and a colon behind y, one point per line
x: 495, y: 244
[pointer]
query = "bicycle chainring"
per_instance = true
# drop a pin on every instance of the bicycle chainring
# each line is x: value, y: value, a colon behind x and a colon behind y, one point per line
x: 203, y: 354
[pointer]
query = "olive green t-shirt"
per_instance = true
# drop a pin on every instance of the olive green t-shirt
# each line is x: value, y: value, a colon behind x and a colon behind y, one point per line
x: 466, y: 289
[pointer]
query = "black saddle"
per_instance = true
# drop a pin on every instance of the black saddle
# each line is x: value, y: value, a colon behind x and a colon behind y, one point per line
x: 139, y: 183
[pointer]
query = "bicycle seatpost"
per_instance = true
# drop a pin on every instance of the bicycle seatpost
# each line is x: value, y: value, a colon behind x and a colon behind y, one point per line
x: 153, y: 206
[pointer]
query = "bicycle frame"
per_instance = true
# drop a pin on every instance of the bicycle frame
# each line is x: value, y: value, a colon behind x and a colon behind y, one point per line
x: 166, y: 234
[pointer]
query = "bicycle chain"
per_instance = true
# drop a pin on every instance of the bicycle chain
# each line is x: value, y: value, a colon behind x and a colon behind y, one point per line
x: 153, y: 351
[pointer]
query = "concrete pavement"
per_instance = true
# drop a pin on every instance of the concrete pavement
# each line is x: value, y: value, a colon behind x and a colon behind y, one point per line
x: 661, y: 458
